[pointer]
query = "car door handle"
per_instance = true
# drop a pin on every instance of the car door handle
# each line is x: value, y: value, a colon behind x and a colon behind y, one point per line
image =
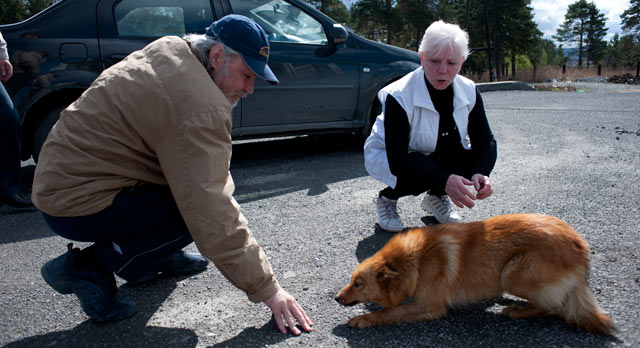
x: 117, y: 57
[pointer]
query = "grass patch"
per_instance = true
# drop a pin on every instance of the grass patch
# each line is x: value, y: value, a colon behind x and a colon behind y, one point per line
x: 551, y: 72
x: 556, y: 88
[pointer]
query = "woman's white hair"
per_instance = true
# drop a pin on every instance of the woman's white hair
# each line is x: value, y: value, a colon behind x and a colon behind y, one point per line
x: 440, y: 35
x: 202, y: 45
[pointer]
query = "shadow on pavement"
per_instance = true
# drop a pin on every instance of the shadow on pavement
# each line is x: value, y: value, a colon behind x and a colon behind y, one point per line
x: 375, y: 242
x: 132, y: 332
x: 13, y: 221
x: 368, y: 246
x: 265, y: 336
x: 269, y: 168
x: 475, y: 326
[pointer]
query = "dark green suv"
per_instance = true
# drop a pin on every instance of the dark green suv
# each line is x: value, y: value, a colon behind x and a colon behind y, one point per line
x: 328, y: 75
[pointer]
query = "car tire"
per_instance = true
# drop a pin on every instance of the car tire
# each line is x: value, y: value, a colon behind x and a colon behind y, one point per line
x: 42, y: 131
x: 375, y: 108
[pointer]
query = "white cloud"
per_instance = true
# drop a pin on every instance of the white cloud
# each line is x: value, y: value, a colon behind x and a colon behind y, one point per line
x: 549, y: 14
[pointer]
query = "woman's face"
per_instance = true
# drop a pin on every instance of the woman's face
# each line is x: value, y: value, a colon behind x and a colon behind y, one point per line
x: 441, y: 68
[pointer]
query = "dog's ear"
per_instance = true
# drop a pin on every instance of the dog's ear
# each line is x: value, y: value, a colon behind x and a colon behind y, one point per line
x: 390, y: 281
x: 387, y: 272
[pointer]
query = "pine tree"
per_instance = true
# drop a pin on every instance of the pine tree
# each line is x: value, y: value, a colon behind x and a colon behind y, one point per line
x: 582, y: 25
x: 415, y: 15
x: 335, y: 9
x: 375, y: 19
x: 12, y: 11
x: 520, y: 32
x: 35, y: 6
x: 594, y: 40
x: 631, y: 19
x: 631, y: 24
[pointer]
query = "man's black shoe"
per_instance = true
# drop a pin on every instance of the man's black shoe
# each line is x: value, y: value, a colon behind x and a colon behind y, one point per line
x: 94, y: 286
x: 16, y: 200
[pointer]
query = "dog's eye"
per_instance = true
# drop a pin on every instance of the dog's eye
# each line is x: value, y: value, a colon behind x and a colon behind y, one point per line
x: 357, y: 284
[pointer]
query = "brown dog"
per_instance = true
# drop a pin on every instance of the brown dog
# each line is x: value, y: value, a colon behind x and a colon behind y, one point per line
x: 536, y: 257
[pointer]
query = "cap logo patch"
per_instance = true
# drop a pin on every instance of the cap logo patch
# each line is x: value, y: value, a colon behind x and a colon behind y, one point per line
x: 264, y: 51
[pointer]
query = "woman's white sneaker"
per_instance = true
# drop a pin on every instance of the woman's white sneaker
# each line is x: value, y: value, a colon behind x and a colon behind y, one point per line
x: 388, y: 218
x: 440, y: 207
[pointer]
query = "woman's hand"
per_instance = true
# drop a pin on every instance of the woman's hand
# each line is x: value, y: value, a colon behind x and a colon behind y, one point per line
x: 482, y: 185
x: 457, y: 191
x: 285, y: 309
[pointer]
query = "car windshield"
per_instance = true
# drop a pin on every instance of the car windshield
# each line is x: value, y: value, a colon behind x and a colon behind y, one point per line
x: 283, y: 22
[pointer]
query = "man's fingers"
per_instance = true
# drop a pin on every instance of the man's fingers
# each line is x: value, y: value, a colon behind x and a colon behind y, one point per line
x: 292, y: 325
x: 288, y: 319
x: 286, y: 310
x: 278, y: 319
x: 302, y: 318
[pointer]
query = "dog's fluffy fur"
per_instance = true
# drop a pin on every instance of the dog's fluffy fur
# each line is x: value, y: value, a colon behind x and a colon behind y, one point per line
x: 536, y: 257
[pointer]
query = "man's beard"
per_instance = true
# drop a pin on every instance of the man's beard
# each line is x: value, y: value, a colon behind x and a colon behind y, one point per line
x: 236, y: 94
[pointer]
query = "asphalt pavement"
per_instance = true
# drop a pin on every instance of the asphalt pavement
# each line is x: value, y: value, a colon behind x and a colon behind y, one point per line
x: 309, y: 202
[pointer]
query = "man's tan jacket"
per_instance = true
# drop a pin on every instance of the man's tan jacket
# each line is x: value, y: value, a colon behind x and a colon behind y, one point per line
x: 156, y: 117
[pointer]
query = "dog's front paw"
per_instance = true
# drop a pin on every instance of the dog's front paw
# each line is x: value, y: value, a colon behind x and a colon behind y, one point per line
x: 361, y: 321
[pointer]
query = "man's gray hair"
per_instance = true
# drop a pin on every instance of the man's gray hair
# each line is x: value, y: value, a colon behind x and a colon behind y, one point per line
x: 202, y: 45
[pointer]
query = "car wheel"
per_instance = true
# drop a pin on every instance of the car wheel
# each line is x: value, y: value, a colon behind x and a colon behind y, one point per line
x: 375, y: 109
x: 43, y: 130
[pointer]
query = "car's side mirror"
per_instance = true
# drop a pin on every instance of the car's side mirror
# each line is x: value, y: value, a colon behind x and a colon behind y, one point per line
x: 339, y: 34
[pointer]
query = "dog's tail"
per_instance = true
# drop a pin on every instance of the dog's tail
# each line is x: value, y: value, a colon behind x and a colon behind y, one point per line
x: 582, y: 309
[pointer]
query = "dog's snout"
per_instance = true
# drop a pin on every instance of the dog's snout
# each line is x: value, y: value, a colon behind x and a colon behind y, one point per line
x: 341, y: 301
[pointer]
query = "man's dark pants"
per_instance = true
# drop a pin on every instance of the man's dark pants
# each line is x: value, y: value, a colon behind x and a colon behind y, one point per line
x: 141, y: 227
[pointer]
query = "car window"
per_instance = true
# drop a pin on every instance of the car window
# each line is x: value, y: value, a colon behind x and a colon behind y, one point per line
x: 282, y: 21
x: 152, y: 18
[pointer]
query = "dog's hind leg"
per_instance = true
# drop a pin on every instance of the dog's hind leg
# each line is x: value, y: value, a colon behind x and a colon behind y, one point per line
x: 544, y: 290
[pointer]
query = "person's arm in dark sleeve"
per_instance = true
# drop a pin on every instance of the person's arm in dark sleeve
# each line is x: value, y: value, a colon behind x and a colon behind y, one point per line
x: 483, y: 143
x: 396, y: 135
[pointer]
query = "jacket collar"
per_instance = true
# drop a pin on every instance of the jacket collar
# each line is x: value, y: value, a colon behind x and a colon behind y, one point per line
x: 420, y: 90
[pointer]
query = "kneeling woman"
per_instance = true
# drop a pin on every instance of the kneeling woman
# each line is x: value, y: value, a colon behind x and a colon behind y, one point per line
x: 433, y: 135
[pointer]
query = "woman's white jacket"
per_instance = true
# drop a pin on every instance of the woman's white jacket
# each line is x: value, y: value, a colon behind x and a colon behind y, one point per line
x: 412, y: 94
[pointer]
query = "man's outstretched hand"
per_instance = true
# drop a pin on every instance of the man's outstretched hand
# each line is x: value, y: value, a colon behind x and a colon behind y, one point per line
x: 285, y: 309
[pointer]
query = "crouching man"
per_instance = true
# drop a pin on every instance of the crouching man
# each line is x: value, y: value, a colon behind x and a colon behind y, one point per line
x: 139, y: 166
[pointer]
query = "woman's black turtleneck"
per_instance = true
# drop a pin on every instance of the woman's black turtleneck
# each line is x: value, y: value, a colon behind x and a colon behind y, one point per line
x: 448, y: 146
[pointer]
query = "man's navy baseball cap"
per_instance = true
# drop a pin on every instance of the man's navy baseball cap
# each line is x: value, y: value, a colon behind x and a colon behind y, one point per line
x: 247, y: 38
